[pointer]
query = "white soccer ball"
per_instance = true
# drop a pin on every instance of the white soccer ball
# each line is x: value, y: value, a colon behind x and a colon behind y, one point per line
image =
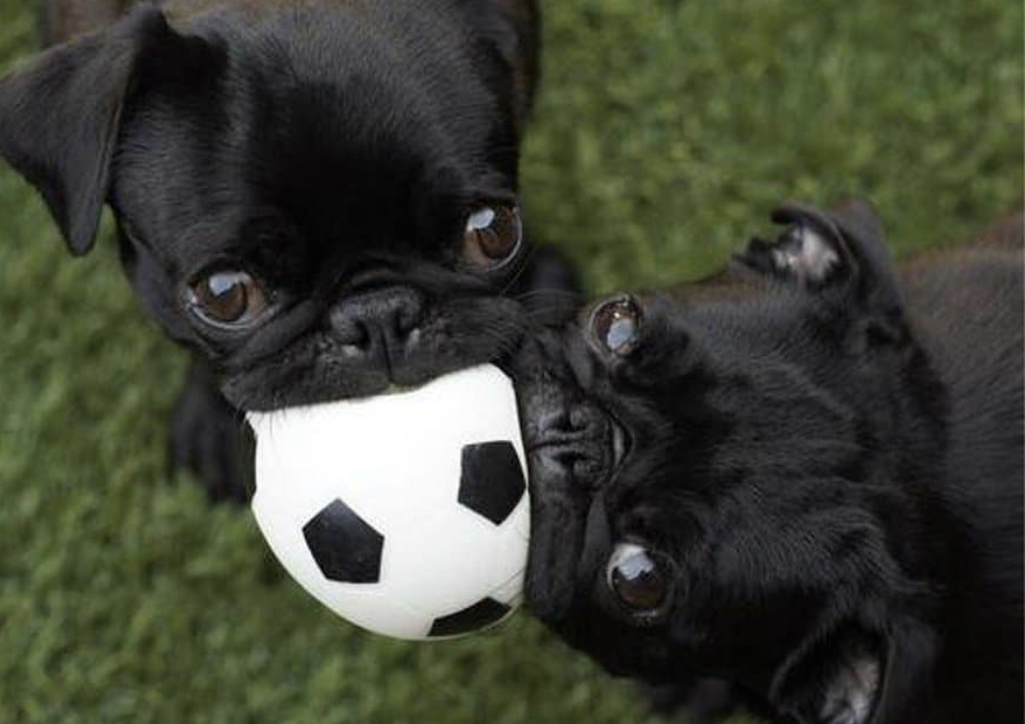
x: 406, y: 513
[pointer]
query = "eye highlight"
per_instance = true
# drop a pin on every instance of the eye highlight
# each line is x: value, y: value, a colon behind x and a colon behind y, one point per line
x: 226, y: 298
x: 616, y: 325
x: 639, y: 579
x: 493, y: 236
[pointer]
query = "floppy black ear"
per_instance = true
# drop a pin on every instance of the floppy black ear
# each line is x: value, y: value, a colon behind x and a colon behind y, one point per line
x: 853, y: 678
x: 913, y: 649
x: 840, y: 254
x: 819, y: 248
x: 836, y: 681
x: 513, y: 26
x: 59, y: 120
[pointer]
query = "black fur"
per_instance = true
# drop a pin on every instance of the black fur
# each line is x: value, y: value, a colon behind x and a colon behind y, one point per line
x: 332, y: 150
x: 828, y: 452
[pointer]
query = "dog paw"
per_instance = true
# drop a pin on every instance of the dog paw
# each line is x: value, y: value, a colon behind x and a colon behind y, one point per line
x: 210, y: 439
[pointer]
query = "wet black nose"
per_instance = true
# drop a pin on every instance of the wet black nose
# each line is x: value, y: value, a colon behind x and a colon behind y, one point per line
x: 380, y: 326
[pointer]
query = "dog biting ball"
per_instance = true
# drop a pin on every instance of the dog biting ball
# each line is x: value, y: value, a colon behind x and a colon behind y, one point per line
x: 406, y: 514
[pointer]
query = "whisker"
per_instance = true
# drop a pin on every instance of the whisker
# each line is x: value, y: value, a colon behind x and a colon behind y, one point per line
x: 521, y: 267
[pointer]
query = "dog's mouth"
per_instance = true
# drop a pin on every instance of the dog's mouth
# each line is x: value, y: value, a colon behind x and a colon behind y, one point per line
x: 580, y: 443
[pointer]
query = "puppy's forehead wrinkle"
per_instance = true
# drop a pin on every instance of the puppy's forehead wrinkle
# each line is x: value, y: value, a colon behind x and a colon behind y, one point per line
x: 338, y: 130
x: 789, y: 552
x: 779, y: 382
x: 773, y: 417
x: 755, y: 333
x: 350, y: 59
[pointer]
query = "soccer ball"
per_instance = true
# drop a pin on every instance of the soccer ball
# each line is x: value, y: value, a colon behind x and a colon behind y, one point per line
x: 407, y: 513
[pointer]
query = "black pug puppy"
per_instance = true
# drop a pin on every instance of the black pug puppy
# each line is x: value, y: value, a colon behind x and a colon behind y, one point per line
x: 319, y: 197
x: 803, y: 476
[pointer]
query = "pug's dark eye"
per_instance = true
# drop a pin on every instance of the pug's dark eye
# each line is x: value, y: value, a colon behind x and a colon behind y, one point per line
x: 639, y: 578
x: 616, y: 325
x: 493, y: 236
x: 227, y: 298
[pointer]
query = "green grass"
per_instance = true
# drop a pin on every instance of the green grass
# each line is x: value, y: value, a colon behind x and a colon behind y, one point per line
x: 665, y: 132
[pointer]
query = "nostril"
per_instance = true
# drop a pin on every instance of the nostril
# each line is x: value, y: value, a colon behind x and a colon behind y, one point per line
x: 407, y: 313
x: 404, y: 323
x: 359, y: 340
x: 584, y: 418
x: 386, y: 320
x: 349, y: 329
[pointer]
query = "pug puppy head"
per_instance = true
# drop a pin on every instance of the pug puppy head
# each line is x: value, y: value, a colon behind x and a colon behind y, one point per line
x: 731, y: 481
x: 321, y: 197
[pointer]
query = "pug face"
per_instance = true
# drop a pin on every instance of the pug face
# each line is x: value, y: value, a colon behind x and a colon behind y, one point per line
x: 722, y: 476
x: 320, y: 199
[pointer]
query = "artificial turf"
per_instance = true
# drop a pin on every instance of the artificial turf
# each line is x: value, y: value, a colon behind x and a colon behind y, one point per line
x: 664, y: 133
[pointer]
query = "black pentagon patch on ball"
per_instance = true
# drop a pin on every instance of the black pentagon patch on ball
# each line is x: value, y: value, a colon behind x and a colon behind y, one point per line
x: 483, y: 613
x: 345, y: 546
x: 491, y: 482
